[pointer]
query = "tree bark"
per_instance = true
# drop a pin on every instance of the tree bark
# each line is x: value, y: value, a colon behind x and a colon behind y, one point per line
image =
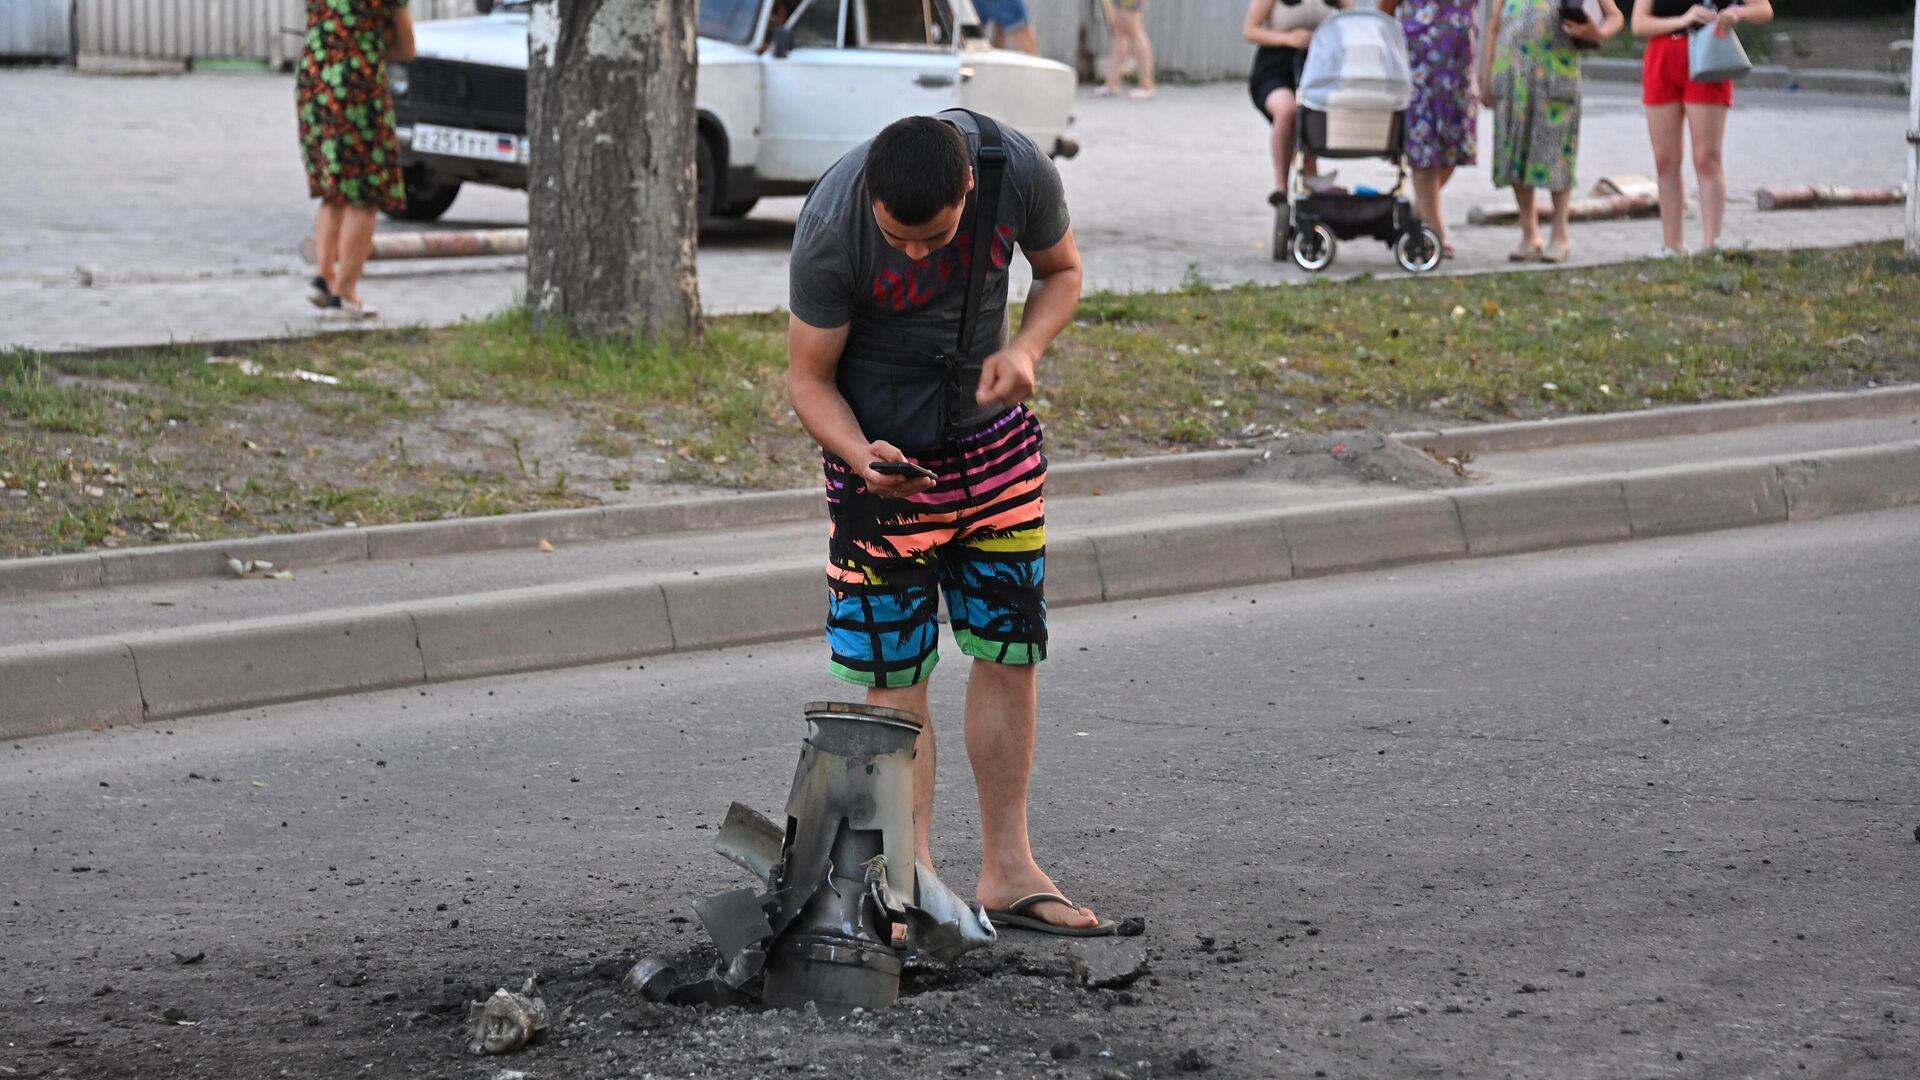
x: 611, y: 188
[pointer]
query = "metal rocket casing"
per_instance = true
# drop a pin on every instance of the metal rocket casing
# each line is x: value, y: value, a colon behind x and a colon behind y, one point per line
x: 856, y: 768
x: 848, y: 857
x: 840, y: 875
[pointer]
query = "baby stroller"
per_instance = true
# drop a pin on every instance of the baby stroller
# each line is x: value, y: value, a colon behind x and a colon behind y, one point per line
x: 1354, y: 92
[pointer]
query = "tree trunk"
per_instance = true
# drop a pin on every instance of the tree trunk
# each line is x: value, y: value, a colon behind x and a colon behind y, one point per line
x: 611, y: 190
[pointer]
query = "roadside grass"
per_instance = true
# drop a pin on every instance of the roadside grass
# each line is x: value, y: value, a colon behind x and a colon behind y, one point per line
x: 492, y: 417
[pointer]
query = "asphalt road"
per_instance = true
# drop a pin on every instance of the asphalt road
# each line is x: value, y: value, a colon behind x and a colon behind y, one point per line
x: 1641, y: 810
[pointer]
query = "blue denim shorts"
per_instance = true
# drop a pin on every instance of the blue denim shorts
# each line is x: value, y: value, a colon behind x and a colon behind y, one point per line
x: 1005, y: 14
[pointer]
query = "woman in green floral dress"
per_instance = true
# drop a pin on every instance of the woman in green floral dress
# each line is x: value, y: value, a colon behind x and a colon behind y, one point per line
x: 1530, y: 78
x: 347, y: 138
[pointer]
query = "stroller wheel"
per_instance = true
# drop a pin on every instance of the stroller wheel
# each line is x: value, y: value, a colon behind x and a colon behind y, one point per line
x: 1282, y: 232
x: 1313, y: 248
x: 1418, y: 250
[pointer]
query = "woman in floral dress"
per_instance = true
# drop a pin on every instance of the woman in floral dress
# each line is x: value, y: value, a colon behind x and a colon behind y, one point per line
x: 1442, y: 124
x: 347, y: 138
x: 1530, y: 78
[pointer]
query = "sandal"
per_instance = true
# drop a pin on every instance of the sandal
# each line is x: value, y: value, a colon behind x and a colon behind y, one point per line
x: 318, y: 294
x: 349, y: 309
x: 1015, y: 917
x: 1556, y: 252
x: 1524, y: 253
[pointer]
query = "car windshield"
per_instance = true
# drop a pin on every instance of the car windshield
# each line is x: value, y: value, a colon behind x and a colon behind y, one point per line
x: 729, y: 20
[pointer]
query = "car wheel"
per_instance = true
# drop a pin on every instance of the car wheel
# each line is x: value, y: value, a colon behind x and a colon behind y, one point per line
x: 738, y: 209
x: 703, y: 179
x: 428, y: 196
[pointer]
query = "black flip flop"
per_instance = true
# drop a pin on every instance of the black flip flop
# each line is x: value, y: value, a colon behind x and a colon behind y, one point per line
x: 1015, y: 917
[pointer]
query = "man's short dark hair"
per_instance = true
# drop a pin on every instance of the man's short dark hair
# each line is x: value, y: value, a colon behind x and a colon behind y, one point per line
x: 917, y: 167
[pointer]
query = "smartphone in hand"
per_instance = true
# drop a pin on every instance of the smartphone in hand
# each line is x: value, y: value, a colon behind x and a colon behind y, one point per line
x: 903, y: 468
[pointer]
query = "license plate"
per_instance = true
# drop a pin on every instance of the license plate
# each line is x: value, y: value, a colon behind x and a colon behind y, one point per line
x: 462, y: 142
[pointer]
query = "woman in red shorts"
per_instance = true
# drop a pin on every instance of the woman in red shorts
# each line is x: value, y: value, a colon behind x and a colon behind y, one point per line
x: 1677, y: 106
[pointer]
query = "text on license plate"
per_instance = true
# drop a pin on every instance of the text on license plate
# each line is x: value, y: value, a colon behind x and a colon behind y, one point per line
x: 461, y: 142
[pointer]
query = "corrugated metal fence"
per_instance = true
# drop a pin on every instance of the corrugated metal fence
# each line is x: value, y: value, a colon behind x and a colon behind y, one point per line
x: 1192, y: 39
x: 35, y: 28
x: 266, y: 30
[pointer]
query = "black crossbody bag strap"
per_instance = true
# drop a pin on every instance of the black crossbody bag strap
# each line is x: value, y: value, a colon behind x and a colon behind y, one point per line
x: 986, y: 218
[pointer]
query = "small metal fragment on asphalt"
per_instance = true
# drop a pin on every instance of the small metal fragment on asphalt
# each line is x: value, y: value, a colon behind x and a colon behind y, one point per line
x: 736, y: 921
x: 189, y: 958
x: 1132, y: 926
x: 1110, y: 963
x: 653, y: 977
x: 709, y: 992
x: 506, y: 1022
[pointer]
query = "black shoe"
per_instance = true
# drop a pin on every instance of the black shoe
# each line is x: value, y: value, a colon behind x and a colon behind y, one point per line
x: 318, y: 294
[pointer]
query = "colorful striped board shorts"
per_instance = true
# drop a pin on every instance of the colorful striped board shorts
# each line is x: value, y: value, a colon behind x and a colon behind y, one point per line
x: 979, y: 536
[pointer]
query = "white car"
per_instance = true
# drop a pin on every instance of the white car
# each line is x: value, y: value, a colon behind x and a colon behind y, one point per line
x: 777, y: 104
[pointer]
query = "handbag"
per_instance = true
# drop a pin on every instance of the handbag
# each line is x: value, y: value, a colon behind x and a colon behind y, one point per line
x: 1582, y: 11
x: 917, y: 406
x: 1716, y: 55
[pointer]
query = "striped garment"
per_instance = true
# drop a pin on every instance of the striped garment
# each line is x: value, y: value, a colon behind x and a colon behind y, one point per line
x: 979, y: 535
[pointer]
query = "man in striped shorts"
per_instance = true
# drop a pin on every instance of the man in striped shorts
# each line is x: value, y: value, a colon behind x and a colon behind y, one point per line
x: 881, y: 261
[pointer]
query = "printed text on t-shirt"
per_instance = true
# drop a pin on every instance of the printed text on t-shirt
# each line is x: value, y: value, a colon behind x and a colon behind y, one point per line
x: 927, y: 278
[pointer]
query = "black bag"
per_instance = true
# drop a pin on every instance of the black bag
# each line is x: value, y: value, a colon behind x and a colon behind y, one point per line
x: 916, y: 406
x: 1581, y: 11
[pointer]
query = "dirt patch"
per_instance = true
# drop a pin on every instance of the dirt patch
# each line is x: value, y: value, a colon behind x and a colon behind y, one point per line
x: 1011, y: 1010
x: 1346, y: 456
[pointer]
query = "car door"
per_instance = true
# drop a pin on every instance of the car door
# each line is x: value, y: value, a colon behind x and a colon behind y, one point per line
x: 855, y: 66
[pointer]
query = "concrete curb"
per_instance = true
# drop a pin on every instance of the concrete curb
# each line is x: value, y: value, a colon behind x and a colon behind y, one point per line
x: 1667, y: 422
x: 174, y: 562
x: 1767, y: 77
x: 82, y: 684
x: 200, y: 559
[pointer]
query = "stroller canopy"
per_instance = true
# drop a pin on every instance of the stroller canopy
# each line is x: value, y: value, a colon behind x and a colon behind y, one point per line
x: 1358, y: 61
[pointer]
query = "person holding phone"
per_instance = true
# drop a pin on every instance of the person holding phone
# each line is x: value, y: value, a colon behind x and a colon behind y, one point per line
x: 1530, y: 78
x: 1677, y: 106
x: 885, y: 250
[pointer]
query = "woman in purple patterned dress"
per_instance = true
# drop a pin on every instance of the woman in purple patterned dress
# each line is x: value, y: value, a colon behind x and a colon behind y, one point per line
x: 1443, y: 121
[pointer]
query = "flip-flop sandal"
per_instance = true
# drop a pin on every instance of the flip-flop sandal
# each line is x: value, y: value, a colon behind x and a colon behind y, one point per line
x: 1015, y: 917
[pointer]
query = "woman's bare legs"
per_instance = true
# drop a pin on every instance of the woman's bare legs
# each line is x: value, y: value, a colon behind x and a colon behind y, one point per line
x: 1529, y: 216
x: 1707, y: 126
x: 1427, y: 182
x: 1117, y: 56
x: 326, y: 242
x: 356, y: 243
x: 1667, y: 128
x: 1133, y: 24
x: 1280, y: 138
x: 1562, y: 217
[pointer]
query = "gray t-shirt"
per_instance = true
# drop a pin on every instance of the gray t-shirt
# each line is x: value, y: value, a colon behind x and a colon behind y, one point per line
x: 905, y: 310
